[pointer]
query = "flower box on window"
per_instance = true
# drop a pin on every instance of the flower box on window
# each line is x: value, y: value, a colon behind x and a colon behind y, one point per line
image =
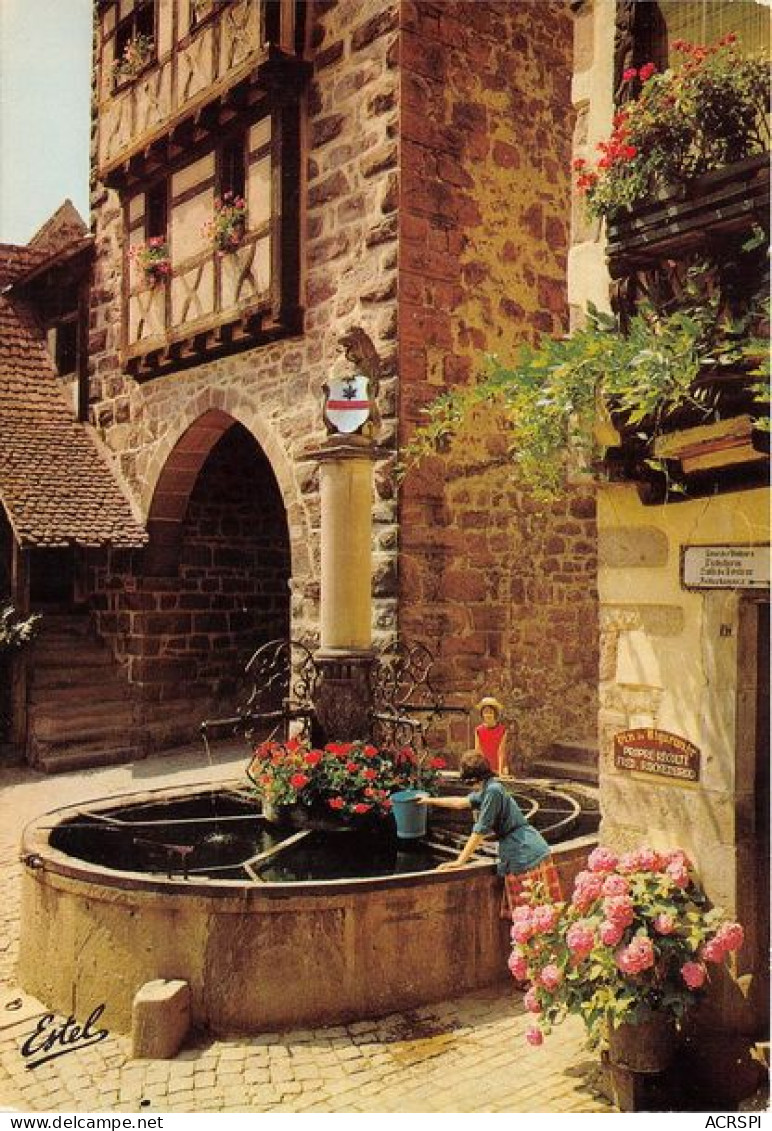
x: 695, y: 119
x: 138, y: 53
x: 152, y: 260
x: 228, y: 224
x: 732, y: 199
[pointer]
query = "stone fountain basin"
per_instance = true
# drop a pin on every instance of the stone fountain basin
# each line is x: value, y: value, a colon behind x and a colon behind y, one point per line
x: 257, y: 956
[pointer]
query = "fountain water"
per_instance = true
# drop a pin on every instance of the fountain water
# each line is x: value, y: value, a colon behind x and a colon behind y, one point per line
x: 268, y: 929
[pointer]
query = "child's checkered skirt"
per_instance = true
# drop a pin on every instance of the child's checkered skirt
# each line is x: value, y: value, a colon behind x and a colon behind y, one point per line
x: 538, y: 884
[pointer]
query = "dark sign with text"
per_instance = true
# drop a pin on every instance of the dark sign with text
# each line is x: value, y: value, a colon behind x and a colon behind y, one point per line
x: 658, y: 754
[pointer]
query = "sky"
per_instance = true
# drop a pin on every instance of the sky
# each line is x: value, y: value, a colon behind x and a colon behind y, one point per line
x: 45, y: 80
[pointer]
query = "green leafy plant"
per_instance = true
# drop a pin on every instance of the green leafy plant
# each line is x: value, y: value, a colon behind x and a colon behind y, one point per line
x: 228, y: 223
x: 707, y: 112
x: 551, y: 401
x: 16, y: 632
x: 637, y: 938
x: 135, y: 57
x: 352, y: 779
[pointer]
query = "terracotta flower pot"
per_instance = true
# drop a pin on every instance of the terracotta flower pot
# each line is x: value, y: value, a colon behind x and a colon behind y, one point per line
x: 647, y: 1046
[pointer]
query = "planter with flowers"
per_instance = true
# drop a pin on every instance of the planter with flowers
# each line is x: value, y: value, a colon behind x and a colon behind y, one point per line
x: 228, y: 223
x: 337, y: 786
x: 704, y: 114
x: 630, y: 954
x: 137, y: 54
x: 152, y: 260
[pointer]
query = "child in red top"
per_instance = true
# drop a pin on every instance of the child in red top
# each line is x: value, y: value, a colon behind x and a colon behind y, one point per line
x: 490, y: 738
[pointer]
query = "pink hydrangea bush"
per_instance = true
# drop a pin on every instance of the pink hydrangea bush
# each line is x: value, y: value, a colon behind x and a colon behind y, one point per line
x: 637, y: 936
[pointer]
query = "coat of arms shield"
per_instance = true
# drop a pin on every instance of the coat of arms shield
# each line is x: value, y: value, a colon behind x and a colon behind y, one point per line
x: 347, y: 404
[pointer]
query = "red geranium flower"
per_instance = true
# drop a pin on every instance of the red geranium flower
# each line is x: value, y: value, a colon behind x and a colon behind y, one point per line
x: 313, y: 758
x: 360, y: 807
x: 297, y: 781
x: 437, y: 763
x: 336, y: 803
x: 352, y: 767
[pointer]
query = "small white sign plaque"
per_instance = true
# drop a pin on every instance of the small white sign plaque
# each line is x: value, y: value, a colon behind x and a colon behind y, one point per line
x: 725, y: 567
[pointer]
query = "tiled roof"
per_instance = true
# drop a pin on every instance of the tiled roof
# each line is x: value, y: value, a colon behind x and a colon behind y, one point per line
x: 56, y: 484
x: 17, y: 261
x: 65, y: 227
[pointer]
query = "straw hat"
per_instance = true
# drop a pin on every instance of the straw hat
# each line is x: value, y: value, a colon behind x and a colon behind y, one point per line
x: 489, y: 701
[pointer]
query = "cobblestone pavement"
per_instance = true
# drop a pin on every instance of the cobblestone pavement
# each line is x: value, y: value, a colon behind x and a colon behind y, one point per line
x: 464, y: 1055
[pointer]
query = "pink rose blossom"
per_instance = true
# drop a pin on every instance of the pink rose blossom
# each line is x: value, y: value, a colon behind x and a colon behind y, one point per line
x: 648, y: 860
x: 518, y: 966
x: 534, y: 1035
x: 610, y: 933
x: 580, y: 938
x: 522, y: 930
x: 551, y: 977
x: 694, y: 974
x: 637, y: 956
x: 731, y: 936
x: 664, y: 924
x: 587, y: 888
x: 713, y: 951
x: 531, y: 1001
x: 676, y: 856
x: 602, y: 860
x: 619, y: 909
x: 628, y: 862
x: 544, y: 917
x: 615, y: 885
x: 646, y: 71
x: 630, y: 74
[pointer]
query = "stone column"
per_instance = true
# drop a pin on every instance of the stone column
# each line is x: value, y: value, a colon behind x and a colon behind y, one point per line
x: 344, y: 700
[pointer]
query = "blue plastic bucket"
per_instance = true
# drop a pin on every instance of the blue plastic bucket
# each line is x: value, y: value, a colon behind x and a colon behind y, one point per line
x: 410, y: 818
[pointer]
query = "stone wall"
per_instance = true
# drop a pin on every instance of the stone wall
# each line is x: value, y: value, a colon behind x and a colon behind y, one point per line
x: 503, y: 588
x: 154, y: 429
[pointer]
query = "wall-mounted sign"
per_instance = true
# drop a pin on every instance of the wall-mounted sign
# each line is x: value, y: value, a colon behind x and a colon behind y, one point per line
x: 657, y: 753
x: 725, y: 567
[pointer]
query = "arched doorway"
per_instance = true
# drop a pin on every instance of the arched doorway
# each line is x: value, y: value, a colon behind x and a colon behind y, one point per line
x: 213, y: 583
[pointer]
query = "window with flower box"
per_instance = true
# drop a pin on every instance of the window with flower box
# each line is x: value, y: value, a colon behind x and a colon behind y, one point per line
x: 682, y: 183
x: 135, y: 45
x: 213, y: 250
